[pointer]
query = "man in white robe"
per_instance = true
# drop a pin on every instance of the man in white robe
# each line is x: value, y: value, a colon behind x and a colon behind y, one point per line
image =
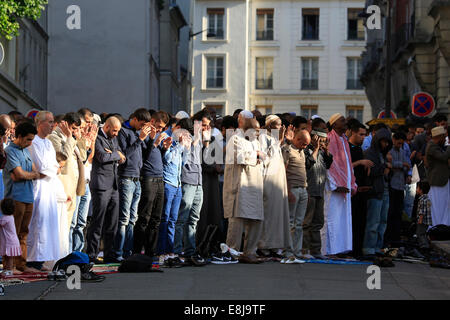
x: 337, y: 230
x: 44, y: 239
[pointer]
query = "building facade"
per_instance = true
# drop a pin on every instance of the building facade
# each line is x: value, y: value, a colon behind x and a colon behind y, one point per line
x: 104, y: 56
x: 420, y: 55
x: 279, y: 56
x: 172, y: 95
x: 23, y: 72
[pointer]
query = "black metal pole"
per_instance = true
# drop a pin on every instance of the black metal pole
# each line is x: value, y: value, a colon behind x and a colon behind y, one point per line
x: 387, y: 89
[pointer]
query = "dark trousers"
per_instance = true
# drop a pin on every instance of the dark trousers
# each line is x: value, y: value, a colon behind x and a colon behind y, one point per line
x: 210, y: 213
x: 146, y: 229
x: 359, y: 216
x: 394, y: 224
x: 422, y: 238
x: 312, y: 224
x: 105, y: 219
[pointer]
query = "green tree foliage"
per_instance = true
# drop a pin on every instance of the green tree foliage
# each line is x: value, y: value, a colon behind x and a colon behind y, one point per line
x: 11, y: 10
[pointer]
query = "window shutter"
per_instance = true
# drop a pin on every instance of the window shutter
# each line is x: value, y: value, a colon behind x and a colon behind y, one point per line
x: 264, y: 11
x: 310, y: 12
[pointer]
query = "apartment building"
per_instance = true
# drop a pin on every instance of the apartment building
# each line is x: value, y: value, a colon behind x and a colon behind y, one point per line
x: 279, y: 56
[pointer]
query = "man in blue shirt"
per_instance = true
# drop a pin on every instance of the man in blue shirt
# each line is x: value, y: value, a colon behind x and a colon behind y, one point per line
x: 17, y: 178
x: 130, y: 142
x: 192, y: 199
x: 152, y: 197
x: 179, y: 141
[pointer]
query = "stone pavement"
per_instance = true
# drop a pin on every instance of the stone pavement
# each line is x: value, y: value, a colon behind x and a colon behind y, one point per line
x: 268, y: 281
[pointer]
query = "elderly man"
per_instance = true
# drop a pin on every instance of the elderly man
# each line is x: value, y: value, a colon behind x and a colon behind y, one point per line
x: 437, y: 159
x: 243, y: 190
x: 341, y: 184
x: 67, y: 139
x: 295, y: 162
x: 44, y: 238
x: 105, y: 191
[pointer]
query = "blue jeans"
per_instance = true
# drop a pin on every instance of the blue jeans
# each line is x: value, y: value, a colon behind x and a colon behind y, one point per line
x: 73, y: 223
x: 297, y: 211
x: 377, y: 215
x: 172, y: 201
x: 186, y: 226
x: 410, y: 194
x: 129, y: 196
x: 79, y: 220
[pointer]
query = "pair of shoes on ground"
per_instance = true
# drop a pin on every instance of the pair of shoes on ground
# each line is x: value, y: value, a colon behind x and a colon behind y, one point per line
x: 233, y: 252
x: 250, y: 259
x: 173, y: 262
x: 292, y: 260
x: 223, y: 258
x: 196, y: 260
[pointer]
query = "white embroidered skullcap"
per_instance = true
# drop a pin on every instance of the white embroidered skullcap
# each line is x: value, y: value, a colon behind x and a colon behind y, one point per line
x: 246, y: 114
x: 181, y: 115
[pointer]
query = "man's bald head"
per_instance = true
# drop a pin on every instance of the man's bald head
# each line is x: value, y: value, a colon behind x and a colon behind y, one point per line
x: 112, y: 127
x: 302, y: 139
x: 5, y: 121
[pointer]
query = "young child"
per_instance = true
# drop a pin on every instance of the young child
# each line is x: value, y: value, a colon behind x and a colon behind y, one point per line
x: 423, y: 214
x: 62, y: 202
x: 9, y: 242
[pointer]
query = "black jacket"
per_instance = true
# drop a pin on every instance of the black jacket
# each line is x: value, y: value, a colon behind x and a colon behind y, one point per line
x: 376, y: 178
x: 131, y: 144
x: 104, y: 164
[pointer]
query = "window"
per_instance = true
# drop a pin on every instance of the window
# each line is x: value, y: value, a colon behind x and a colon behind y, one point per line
x: 355, y: 25
x: 9, y: 60
x: 215, y: 72
x: 310, y: 24
x: 264, y: 24
x: 354, y: 67
x: 264, y: 109
x: 310, y: 73
x: 216, y: 23
x: 309, y: 111
x: 355, y: 112
x: 264, y: 73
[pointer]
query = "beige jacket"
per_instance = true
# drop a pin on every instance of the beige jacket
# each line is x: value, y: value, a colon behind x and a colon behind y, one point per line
x: 72, y: 175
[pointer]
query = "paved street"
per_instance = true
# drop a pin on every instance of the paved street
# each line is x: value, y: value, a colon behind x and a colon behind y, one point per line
x: 269, y: 281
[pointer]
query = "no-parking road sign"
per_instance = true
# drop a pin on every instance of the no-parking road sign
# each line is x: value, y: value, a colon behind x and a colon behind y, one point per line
x: 422, y: 104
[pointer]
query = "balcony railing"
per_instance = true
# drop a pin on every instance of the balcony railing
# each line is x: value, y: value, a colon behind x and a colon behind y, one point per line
x: 266, y: 84
x: 264, y: 35
x: 354, y: 84
x: 310, y: 84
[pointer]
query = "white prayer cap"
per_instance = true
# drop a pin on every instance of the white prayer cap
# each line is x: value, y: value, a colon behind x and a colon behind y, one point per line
x: 335, y: 117
x: 315, y: 117
x: 181, y: 115
x: 438, y: 131
x: 97, y: 118
x: 271, y: 119
x: 246, y: 114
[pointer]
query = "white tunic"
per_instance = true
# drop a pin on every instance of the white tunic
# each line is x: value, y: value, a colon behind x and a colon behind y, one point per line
x: 337, y: 231
x: 43, y: 242
x: 440, y: 204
